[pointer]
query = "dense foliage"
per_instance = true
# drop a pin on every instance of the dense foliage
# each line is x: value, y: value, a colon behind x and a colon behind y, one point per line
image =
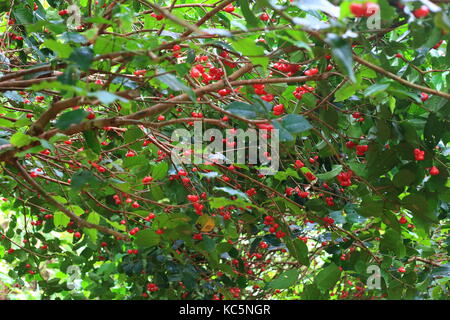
x: 93, y: 207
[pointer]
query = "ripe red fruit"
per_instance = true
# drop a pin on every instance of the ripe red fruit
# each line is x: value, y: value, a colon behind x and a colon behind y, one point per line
x: 77, y: 235
x: 311, y: 72
x: 198, y: 236
x: 419, y: 155
x: 356, y: 115
x: 350, y: 144
x: 278, y: 109
x: 422, y: 12
x: 176, y: 48
x: 135, y: 205
x: 357, y: 9
x: 402, y: 220
x: 147, y: 180
x: 63, y: 12
x: 424, y: 96
x: 229, y: 8
x: 130, y: 154
x: 298, y: 164
x: 224, y: 92
x: 192, y: 198
x: 264, y: 17
x: 161, y: 118
x: 399, y: 55
x: 434, y: 171
x: 370, y: 8
x: 401, y: 269
x: 91, y: 116
x: 268, y: 97
x: 361, y: 149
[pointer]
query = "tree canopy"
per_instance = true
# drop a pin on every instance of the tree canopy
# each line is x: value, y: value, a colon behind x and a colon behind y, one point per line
x: 92, y: 206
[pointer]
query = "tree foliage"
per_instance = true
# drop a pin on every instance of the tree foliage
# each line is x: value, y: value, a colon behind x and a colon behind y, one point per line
x: 358, y: 92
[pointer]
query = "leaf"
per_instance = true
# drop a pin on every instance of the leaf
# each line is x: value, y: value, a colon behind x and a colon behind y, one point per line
x: 71, y: 117
x: 232, y: 192
x: 345, y: 92
x: 392, y: 241
x: 328, y: 277
x: 106, y: 97
x: 147, y: 238
x: 342, y: 54
x: 330, y: 174
x: 299, y: 250
x: 248, y: 47
x: 418, y: 205
x: 207, y: 223
x: 370, y: 207
x: 285, y: 280
x: 376, y: 88
x: 60, y: 219
x: 92, y: 141
x: 82, y: 57
x: 175, y: 84
x: 160, y: 170
x: 83, y: 178
x: 94, y: 218
x: 241, y: 109
x: 321, y: 5
x: 20, y: 139
x: 62, y: 50
x: 252, y: 21
x: 295, y: 123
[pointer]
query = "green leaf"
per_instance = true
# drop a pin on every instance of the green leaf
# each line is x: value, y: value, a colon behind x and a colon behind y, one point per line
x: 82, y: 57
x: 20, y: 139
x: 295, y: 123
x: 392, y: 241
x: 106, y: 97
x: 252, y: 21
x: 370, y: 207
x: 299, y: 250
x: 285, y: 280
x: 376, y: 88
x: 342, y: 54
x: 83, y: 178
x: 345, y: 92
x: 71, y: 117
x: 92, y: 141
x: 175, y: 84
x: 328, y: 277
x: 62, y: 50
x: 60, y: 219
x: 147, y: 238
x: 241, y: 109
x: 248, y: 47
x: 330, y: 174
x: 160, y: 170
x: 94, y: 218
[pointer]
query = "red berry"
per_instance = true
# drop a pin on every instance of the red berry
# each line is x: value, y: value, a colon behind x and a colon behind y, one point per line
x: 229, y: 8
x: 424, y: 96
x: 264, y: 17
x: 434, y: 171
x: 422, y: 12
x: 357, y: 9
